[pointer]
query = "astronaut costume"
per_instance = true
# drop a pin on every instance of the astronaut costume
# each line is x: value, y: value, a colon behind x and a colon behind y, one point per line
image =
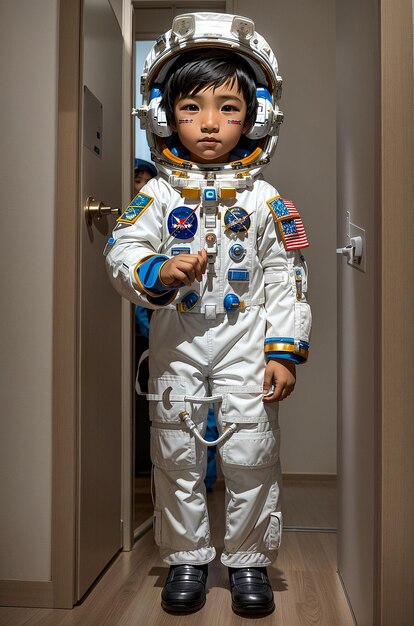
x: 210, y: 341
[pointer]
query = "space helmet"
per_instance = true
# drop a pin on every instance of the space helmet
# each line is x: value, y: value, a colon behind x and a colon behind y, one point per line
x: 212, y: 30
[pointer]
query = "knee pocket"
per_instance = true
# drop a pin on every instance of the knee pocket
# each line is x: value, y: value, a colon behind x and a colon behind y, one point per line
x: 251, y: 449
x: 173, y: 449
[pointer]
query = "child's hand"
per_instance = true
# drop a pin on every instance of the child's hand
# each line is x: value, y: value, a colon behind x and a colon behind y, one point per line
x: 282, y: 376
x: 184, y: 269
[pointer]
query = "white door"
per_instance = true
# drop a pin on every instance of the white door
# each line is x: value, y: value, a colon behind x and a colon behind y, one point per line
x: 99, y: 428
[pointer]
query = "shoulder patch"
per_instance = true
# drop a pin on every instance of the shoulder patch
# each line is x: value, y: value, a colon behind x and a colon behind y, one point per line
x: 135, y: 209
x: 289, y: 222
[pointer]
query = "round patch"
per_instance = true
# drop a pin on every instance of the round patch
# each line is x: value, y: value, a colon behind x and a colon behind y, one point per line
x: 237, y: 252
x: 237, y: 220
x: 182, y: 222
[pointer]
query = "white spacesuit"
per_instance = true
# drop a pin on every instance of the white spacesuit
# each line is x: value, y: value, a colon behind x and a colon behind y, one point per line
x: 209, y: 342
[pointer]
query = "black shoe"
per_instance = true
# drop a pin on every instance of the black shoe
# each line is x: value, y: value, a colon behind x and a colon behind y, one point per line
x: 185, y: 588
x: 251, y: 592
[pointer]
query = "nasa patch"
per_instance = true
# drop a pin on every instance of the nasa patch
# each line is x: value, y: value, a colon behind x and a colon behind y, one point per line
x: 182, y: 222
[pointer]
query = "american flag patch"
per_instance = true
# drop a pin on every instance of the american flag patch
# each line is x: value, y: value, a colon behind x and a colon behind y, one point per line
x: 289, y: 222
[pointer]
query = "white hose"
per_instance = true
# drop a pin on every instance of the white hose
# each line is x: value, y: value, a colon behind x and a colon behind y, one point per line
x: 193, y: 428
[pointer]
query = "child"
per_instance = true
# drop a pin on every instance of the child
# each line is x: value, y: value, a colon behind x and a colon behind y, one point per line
x: 143, y: 172
x: 215, y: 251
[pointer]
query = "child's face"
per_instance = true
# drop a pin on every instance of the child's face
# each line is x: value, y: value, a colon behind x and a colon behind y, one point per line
x: 210, y: 123
x: 141, y: 178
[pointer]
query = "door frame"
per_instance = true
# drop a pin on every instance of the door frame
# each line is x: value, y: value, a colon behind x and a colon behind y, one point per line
x: 395, y: 459
x: 66, y: 300
x: 127, y: 488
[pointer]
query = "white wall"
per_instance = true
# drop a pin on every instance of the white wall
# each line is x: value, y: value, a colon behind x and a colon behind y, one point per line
x: 28, y: 49
x: 302, y: 35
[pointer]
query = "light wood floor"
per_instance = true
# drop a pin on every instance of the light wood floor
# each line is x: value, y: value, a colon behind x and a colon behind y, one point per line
x: 307, y: 588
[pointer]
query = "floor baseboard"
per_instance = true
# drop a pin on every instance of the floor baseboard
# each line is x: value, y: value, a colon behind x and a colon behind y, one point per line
x: 30, y: 593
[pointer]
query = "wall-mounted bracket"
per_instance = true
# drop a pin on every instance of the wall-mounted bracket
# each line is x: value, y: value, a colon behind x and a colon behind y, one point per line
x: 355, y: 250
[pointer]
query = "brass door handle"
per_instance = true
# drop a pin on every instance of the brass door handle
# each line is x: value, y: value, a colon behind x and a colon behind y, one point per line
x: 95, y: 209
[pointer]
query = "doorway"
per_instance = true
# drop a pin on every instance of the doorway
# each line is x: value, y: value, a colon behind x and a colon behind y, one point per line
x: 308, y: 422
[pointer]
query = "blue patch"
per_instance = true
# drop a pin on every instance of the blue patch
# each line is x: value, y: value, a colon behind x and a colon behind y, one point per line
x: 237, y: 220
x: 182, y: 222
x: 136, y: 208
x: 209, y: 194
x: 238, y: 275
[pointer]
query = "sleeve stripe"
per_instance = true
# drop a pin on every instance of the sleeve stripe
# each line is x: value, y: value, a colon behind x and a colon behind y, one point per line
x: 272, y: 346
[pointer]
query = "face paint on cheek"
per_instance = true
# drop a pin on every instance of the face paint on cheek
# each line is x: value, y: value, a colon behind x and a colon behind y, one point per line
x: 185, y: 121
x: 234, y: 122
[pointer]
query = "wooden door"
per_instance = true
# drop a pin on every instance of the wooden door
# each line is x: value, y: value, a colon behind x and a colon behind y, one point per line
x: 99, y: 427
x: 87, y: 311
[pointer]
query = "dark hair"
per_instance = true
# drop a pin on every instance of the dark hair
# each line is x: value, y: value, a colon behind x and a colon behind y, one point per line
x: 144, y: 166
x: 197, y: 69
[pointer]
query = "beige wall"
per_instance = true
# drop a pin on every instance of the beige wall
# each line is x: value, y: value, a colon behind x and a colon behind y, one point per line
x: 117, y: 9
x: 28, y: 49
x: 302, y: 34
x: 358, y: 150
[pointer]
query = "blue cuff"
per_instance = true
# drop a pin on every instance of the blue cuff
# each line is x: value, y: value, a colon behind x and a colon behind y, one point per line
x: 288, y: 356
x: 148, y: 274
x: 284, y: 348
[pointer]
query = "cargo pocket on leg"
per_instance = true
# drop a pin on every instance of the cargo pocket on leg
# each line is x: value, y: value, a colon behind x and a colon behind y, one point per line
x: 172, y: 449
x: 251, y: 449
